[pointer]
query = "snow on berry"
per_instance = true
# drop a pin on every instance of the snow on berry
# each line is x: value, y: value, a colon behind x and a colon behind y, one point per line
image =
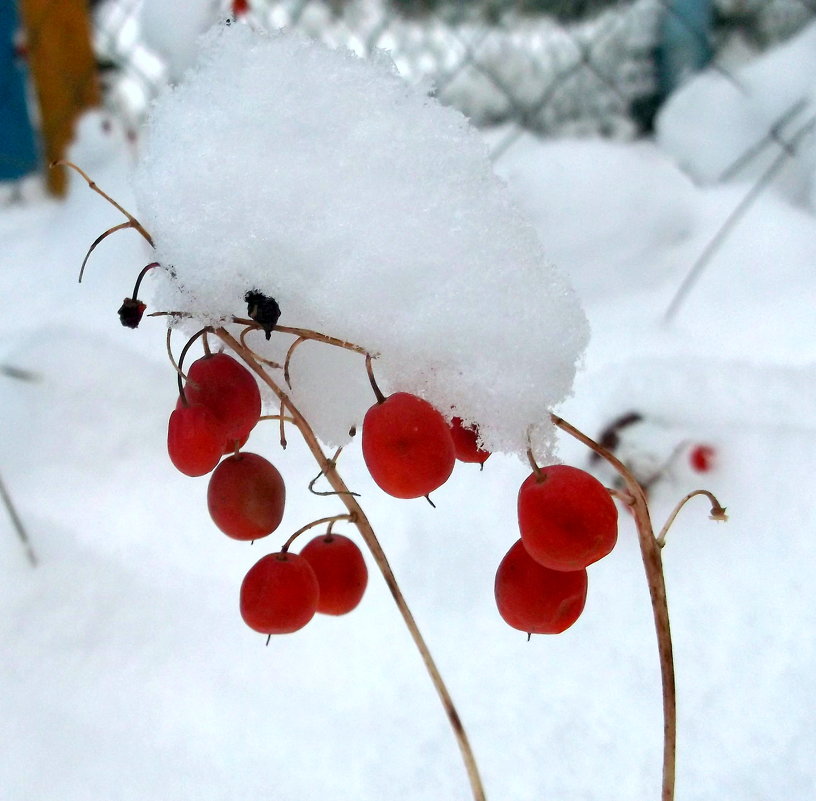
x: 370, y: 212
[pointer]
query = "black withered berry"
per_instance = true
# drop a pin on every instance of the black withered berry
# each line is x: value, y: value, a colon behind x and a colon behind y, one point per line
x: 263, y: 310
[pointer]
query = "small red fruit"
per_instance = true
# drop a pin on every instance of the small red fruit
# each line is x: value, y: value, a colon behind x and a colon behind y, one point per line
x: 228, y: 390
x: 229, y: 445
x: 535, y: 599
x: 566, y: 517
x: 407, y: 446
x: 341, y: 572
x: 195, y: 439
x: 246, y: 496
x: 239, y: 8
x: 465, y: 442
x: 703, y: 458
x: 279, y: 594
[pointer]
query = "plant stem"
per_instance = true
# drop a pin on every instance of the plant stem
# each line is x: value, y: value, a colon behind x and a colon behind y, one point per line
x: 653, y: 564
x: 329, y: 470
x: 717, y: 512
x: 18, y: 524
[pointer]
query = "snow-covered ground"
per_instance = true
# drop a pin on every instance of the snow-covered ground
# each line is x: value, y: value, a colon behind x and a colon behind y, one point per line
x: 126, y: 672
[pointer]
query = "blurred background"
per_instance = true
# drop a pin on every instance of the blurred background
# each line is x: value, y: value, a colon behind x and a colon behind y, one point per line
x: 550, y: 67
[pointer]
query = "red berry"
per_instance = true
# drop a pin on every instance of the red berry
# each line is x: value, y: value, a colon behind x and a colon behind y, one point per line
x: 535, y: 599
x: 246, y: 496
x: 703, y: 458
x: 228, y: 390
x: 230, y: 445
x: 407, y: 446
x: 341, y: 572
x: 566, y: 517
x: 195, y: 439
x: 279, y: 594
x: 465, y: 442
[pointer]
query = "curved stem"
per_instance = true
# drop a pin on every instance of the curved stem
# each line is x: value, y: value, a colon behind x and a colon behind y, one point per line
x: 371, y: 380
x: 142, y: 274
x: 330, y: 520
x: 134, y: 223
x: 288, y: 359
x: 178, y: 367
x: 367, y: 533
x: 243, y: 337
x: 120, y: 227
x: 653, y: 564
x: 717, y: 513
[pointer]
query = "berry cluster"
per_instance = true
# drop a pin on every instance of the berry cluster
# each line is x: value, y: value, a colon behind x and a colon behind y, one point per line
x: 567, y: 521
x: 218, y: 407
x: 566, y: 516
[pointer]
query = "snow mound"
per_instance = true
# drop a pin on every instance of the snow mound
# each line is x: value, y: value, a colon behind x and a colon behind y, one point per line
x: 371, y: 213
x: 721, y: 127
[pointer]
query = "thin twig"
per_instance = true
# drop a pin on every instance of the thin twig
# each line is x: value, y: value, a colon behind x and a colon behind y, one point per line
x: 134, y: 223
x: 653, y: 564
x: 717, y: 513
x: 18, y: 524
x: 330, y: 520
x: 370, y: 538
x: 288, y: 359
x: 96, y: 241
x: 260, y: 358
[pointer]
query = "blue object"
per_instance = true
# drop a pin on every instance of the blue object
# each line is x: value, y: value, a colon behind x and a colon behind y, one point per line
x: 684, y: 42
x: 18, y: 145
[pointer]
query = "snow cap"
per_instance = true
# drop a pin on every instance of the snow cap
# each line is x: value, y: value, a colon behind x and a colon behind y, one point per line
x: 371, y: 213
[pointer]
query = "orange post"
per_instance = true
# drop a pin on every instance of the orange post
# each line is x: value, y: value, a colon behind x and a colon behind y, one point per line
x: 62, y: 64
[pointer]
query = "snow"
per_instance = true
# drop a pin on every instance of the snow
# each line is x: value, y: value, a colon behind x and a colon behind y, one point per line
x: 370, y: 213
x: 713, y: 121
x: 126, y: 672
x: 173, y: 30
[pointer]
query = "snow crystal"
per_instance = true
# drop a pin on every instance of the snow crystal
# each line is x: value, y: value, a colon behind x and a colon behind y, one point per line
x: 371, y: 213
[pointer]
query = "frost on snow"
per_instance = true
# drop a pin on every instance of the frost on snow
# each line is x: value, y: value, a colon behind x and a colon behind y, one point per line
x: 371, y: 213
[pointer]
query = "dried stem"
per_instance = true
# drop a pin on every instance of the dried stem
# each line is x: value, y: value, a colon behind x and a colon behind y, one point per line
x: 134, y: 223
x: 370, y: 538
x: 282, y: 417
x: 145, y: 270
x: 370, y: 371
x: 306, y: 333
x: 653, y: 564
x: 243, y: 337
x: 170, y: 355
x: 330, y: 520
x: 120, y: 227
x: 288, y: 359
x: 717, y: 513
x: 183, y: 353
x: 22, y: 534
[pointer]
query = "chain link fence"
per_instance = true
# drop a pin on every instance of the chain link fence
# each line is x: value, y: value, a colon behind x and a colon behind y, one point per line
x: 554, y: 67
x: 551, y: 67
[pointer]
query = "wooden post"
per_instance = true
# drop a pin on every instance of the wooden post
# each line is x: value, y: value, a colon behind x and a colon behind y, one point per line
x: 64, y: 71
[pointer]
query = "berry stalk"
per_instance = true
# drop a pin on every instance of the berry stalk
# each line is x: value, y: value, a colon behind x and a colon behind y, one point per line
x: 653, y: 563
x: 329, y: 470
